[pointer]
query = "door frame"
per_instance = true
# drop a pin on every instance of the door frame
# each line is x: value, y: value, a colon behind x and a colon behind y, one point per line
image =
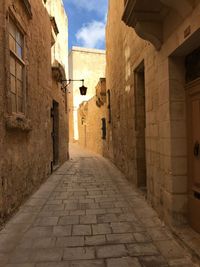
x: 190, y: 92
x: 55, y: 135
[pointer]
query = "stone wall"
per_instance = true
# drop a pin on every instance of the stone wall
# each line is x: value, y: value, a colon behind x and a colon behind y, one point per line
x: 60, y: 49
x: 164, y: 139
x: 90, y: 125
x: 25, y: 139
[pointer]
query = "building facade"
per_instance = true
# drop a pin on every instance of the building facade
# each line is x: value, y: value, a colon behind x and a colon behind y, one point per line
x: 153, y: 77
x: 94, y: 119
x: 87, y: 64
x: 32, y: 105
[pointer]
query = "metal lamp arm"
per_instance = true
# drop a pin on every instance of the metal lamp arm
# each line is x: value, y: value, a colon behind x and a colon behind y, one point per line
x: 69, y: 82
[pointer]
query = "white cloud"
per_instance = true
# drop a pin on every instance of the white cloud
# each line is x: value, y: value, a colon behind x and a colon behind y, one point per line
x: 99, y: 6
x: 92, y: 35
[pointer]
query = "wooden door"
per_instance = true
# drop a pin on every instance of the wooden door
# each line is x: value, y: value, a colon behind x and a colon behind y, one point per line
x: 55, y: 133
x: 193, y: 96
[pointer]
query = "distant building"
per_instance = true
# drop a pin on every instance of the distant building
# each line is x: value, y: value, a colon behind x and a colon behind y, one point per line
x: 94, y: 120
x: 33, y: 113
x: 87, y: 64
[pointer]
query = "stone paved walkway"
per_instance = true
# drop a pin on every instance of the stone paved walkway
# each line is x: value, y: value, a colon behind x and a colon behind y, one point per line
x: 88, y: 215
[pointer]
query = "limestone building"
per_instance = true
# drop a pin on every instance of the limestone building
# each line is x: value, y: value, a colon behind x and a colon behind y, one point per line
x: 33, y: 118
x: 87, y: 64
x: 94, y: 120
x: 153, y: 75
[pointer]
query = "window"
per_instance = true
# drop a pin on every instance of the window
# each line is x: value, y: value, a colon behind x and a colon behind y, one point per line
x: 17, y: 67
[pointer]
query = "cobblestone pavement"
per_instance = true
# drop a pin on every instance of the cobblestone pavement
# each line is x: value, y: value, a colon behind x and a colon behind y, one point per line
x: 88, y: 215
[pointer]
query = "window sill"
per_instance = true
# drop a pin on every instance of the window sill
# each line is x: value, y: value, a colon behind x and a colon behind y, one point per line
x: 18, y: 122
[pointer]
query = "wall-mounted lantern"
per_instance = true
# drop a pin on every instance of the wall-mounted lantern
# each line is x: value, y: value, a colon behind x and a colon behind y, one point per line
x: 65, y: 83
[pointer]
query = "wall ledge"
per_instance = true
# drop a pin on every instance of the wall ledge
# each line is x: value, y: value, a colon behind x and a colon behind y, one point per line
x: 18, y: 122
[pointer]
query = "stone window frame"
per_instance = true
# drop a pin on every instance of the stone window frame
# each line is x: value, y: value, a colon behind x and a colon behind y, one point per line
x: 14, y: 120
x: 16, y: 54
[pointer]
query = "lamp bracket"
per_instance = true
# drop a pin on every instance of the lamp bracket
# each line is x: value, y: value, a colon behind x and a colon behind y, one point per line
x: 68, y: 82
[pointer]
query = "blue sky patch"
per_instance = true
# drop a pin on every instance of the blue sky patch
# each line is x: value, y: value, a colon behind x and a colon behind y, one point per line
x: 87, y: 19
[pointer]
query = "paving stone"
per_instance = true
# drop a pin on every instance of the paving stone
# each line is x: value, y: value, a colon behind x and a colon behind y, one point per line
x: 81, y: 230
x: 23, y: 218
x: 60, y: 213
x: 105, y: 199
x: 20, y: 256
x: 20, y: 265
x: 53, y: 207
x: 80, y: 193
x: 70, y: 241
x: 62, y: 195
x: 95, y: 240
x: 44, y: 242
x: 83, y: 206
x: 46, y: 214
x: 71, y: 206
x: 95, y: 211
x: 120, y: 238
x: 25, y: 243
x: 87, y: 201
x: 123, y: 262
x: 46, y: 221
x: 153, y: 261
x: 62, y: 230
x: 142, y: 237
x: 53, y: 264
x: 47, y: 255
x: 66, y: 220
x: 77, y: 212
x: 94, y: 192
x: 127, y: 217
x: 117, y: 211
x: 142, y: 249
x: 121, y: 204
x: 111, y: 251
x: 88, y: 219
x: 86, y: 263
x: 100, y: 229
x: 8, y: 242
x: 123, y: 227
x: 107, y: 218
x: 107, y: 205
x: 40, y: 231
x: 15, y: 229
x: 79, y: 253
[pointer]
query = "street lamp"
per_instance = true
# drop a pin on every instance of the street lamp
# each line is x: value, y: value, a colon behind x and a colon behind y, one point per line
x: 83, y: 89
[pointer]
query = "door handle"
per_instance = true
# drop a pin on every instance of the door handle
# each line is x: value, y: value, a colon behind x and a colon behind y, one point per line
x: 196, y: 149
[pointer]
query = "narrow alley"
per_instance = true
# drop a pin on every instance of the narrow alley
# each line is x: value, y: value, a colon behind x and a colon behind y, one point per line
x: 87, y: 214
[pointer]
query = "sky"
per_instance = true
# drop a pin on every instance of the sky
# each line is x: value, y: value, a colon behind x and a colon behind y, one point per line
x: 87, y: 19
